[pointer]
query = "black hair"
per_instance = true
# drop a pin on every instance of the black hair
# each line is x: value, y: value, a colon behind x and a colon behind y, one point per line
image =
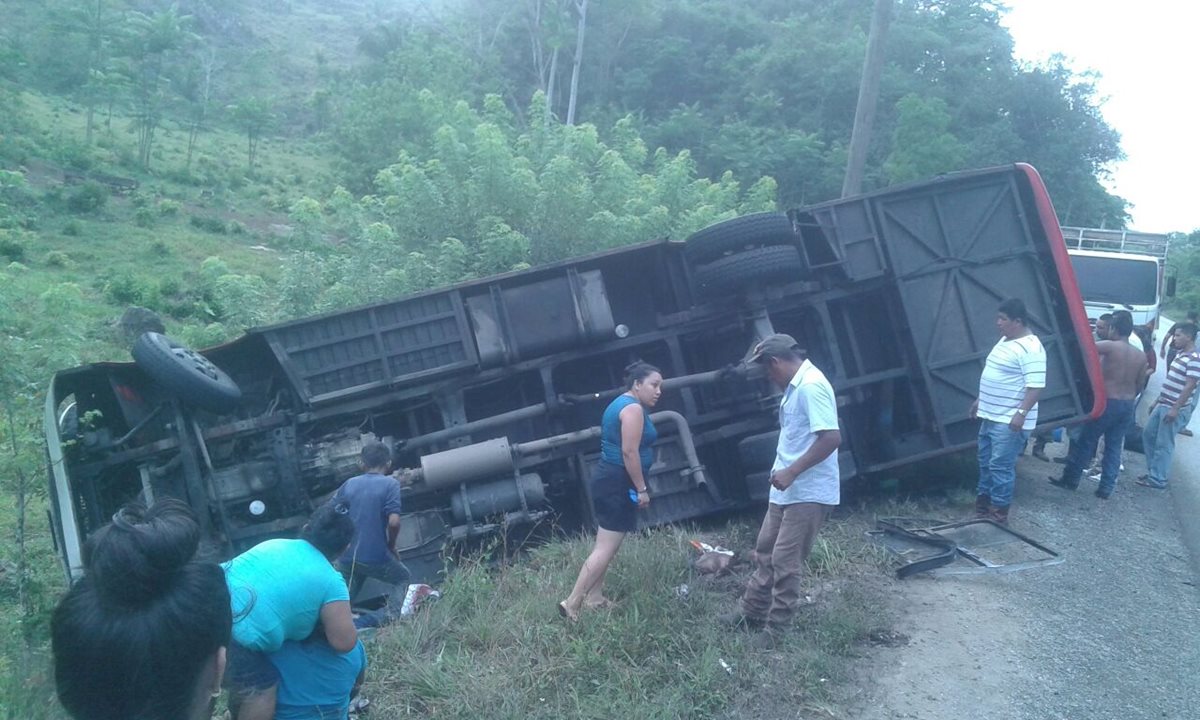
x: 638, y: 371
x: 376, y: 455
x: 1014, y: 308
x: 1188, y: 329
x: 1143, y: 334
x: 132, y: 637
x: 1121, y: 323
x: 1106, y: 317
x: 330, y: 529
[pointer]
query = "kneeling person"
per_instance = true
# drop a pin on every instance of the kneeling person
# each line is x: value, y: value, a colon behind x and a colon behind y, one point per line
x: 316, y: 682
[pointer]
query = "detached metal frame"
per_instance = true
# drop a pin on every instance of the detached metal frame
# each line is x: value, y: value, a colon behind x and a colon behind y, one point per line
x: 945, y: 551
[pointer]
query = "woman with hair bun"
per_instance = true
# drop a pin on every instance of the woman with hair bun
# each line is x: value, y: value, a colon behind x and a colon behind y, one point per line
x: 142, y: 635
x: 618, y: 486
x: 280, y: 590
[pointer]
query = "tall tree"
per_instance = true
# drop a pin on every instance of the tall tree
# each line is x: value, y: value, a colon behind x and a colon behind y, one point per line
x: 254, y: 117
x: 581, y: 8
x: 154, y: 41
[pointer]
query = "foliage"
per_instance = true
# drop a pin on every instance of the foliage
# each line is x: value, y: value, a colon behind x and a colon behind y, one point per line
x: 1184, y: 265
x: 89, y: 197
x: 12, y: 245
x: 488, y: 198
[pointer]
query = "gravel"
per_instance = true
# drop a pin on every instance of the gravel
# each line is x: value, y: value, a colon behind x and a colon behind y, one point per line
x: 1113, y: 632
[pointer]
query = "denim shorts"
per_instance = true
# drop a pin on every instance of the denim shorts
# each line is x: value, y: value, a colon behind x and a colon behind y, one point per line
x: 247, y: 671
x: 611, y: 505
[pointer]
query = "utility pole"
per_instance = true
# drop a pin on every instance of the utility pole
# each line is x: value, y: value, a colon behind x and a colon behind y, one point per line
x: 868, y: 98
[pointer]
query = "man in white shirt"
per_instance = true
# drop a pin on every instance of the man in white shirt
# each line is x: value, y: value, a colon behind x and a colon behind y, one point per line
x: 805, y: 486
x: 1012, y: 381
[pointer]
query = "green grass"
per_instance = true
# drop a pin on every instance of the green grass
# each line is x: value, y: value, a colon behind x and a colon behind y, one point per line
x: 494, y: 645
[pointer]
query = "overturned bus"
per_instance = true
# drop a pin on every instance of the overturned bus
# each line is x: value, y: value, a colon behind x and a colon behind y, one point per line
x: 490, y: 391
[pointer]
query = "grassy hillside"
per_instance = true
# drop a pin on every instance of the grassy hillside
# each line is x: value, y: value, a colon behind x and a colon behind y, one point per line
x: 146, y: 246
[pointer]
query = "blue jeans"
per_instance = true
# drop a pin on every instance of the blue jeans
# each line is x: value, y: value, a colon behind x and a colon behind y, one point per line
x: 392, y: 572
x: 1158, y: 440
x: 1112, y: 426
x: 998, y: 450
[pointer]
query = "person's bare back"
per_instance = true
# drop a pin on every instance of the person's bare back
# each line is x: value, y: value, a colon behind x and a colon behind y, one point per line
x: 1124, y: 368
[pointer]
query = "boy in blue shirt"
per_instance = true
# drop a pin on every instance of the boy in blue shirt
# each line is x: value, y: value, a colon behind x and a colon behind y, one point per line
x: 374, y: 499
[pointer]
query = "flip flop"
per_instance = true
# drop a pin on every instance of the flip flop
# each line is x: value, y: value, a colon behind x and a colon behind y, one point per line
x: 567, y: 614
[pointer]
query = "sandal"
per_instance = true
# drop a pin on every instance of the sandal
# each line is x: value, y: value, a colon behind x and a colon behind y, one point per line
x: 567, y: 614
x: 602, y: 604
x: 359, y: 704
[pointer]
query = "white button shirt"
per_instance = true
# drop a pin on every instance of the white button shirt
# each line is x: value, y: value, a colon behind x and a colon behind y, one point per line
x: 808, y: 407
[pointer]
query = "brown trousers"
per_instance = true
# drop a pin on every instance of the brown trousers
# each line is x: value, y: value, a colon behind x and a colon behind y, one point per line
x: 784, y: 542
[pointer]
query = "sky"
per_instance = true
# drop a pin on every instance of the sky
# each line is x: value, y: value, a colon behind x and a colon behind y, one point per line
x: 1145, y: 53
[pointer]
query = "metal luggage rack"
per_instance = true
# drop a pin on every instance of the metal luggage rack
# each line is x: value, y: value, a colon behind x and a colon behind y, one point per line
x: 969, y: 547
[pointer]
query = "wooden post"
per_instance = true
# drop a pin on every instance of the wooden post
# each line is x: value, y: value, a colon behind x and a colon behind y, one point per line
x: 868, y: 97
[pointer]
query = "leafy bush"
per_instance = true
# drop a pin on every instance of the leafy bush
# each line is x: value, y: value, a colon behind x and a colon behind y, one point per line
x: 125, y: 289
x: 144, y: 217
x: 88, y: 197
x: 160, y: 248
x: 72, y: 229
x: 168, y: 208
x: 58, y: 258
x: 208, y: 224
x: 74, y: 154
x: 12, y: 246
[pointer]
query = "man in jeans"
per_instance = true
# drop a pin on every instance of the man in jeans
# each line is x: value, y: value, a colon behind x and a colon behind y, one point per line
x: 805, y: 485
x: 1012, y: 380
x: 1124, y: 369
x: 1173, y: 408
x: 374, y: 499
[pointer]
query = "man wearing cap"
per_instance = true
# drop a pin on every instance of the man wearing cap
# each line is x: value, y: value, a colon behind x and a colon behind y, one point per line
x: 805, y: 485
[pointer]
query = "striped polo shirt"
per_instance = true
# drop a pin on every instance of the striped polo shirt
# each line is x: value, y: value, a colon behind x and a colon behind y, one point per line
x: 1184, y: 366
x: 1012, y: 366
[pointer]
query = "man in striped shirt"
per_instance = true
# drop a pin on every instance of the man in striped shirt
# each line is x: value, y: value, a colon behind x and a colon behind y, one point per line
x: 1012, y: 380
x: 1173, y: 408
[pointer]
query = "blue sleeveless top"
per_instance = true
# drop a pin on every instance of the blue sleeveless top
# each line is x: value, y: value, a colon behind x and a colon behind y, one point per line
x: 610, y: 434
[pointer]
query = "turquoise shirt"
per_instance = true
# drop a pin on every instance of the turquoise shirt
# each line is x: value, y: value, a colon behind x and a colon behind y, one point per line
x: 277, y: 589
x: 610, y: 434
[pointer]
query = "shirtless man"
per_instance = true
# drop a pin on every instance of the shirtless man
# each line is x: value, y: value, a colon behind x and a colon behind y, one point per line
x: 1124, y: 368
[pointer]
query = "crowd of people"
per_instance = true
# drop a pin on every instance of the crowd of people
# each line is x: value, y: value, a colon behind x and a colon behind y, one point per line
x: 154, y: 632
x: 151, y: 631
x: 1014, y: 378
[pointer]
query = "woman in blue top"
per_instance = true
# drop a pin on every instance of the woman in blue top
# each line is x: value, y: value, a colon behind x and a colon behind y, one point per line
x: 626, y: 437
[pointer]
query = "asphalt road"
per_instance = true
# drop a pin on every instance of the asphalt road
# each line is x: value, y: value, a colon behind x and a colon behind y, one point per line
x: 1111, y: 633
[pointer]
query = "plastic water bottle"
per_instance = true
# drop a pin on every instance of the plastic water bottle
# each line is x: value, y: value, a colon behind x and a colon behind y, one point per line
x: 633, y: 496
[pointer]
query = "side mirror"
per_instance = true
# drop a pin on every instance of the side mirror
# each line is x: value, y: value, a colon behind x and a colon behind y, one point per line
x: 1171, y: 283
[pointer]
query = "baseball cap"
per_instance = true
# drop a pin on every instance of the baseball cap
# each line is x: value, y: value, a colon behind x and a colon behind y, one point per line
x: 771, y: 346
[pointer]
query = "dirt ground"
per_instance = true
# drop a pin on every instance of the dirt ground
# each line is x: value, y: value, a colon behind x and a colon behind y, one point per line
x: 1112, y: 632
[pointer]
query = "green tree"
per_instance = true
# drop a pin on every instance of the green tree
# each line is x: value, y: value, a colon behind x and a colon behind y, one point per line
x: 922, y: 144
x: 254, y: 117
x: 154, y: 42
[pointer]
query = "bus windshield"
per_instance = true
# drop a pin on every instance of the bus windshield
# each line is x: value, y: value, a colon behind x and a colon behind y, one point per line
x: 1116, y: 280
